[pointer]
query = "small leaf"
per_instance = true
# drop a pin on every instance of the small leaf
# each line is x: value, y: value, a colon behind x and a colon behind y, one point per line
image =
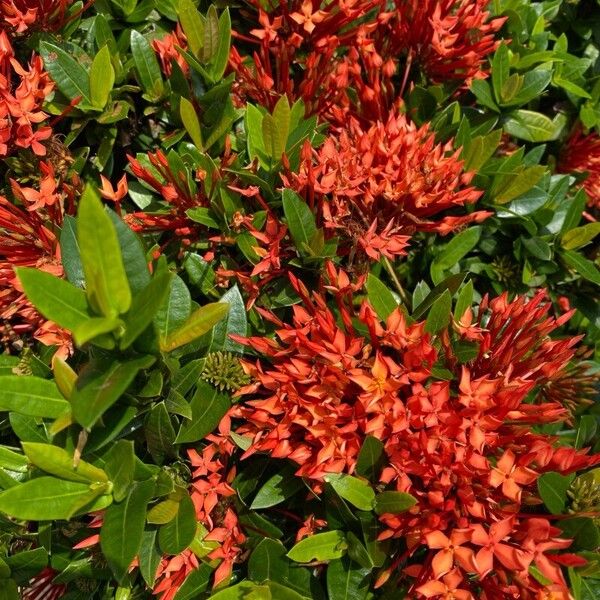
x: 177, y: 535
x: 211, y: 34
x: 281, y: 119
x: 106, y: 282
x: 370, y: 458
x: 300, y: 219
x: 439, y: 315
x: 64, y: 377
x: 56, y: 299
x: 221, y: 57
x: 102, y: 78
x: 93, y: 328
x: 345, y: 581
x: 235, y: 322
x: 580, y: 236
x: 199, y: 323
x: 321, y: 546
x: 95, y: 396
x: 552, y: 488
x: 380, y: 297
x: 359, y: 493
x: 123, y: 528
x: 119, y: 463
x: 146, y: 64
x: 192, y: 25
x: 209, y: 406
x: 32, y: 396
x: 279, y: 487
x: 586, y: 268
x: 70, y: 77
x: 393, y: 502
x: 464, y: 301
x: 191, y: 122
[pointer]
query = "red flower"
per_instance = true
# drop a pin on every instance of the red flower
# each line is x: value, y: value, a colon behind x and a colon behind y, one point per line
x: 465, y: 449
x: 581, y: 154
x: 379, y: 185
x: 46, y: 15
x: 166, y: 48
x: 42, y: 588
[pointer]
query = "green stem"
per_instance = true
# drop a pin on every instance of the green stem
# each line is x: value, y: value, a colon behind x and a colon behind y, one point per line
x: 390, y: 269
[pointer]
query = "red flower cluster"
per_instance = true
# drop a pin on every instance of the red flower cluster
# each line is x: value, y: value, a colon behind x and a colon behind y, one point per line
x: 581, y: 154
x: 22, y: 93
x: 45, y: 15
x: 357, y: 44
x: 466, y: 448
x: 381, y: 184
x: 167, y: 50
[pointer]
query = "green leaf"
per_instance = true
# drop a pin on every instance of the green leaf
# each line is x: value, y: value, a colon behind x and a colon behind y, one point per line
x: 149, y: 557
x: 96, y: 395
x: 107, y: 286
x: 235, y: 322
x: 359, y: 493
x: 70, y: 77
x: 221, y: 57
x: 175, y: 308
x: 26, y: 564
x: 163, y: 512
x: 281, y: 119
x: 586, y: 268
x: 580, y: 236
x: 583, y: 531
x: 464, y: 300
x: 358, y: 552
x: 279, y: 487
x: 119, y: 463
x: 60, y: 463
x: 177, y: 535
x: 192, y: 25
x: 500, y: 70
x: 393, y: 502
x: 9, y: 590
x: 270, y: 136
x: 46, y: 499
x: 93, y: 328
x: 460, y: 245
x: 575, y: 211
x: 552, y: 488
x: 56, y: 299
x: 31, y: 396
x: 146, y: 64
x: 209, y: 406
x: 440, y: 313
x: 191, y: 122
x: 452, y: 284
x: 321, y: 546
x: 211, y: 34
x: 483, y: 92
x: 380, y: 297
x: 144, y: 308
x: 200, y: 322
x: 160, y: 434
x: 123, y: 528
x: 102, y: 78
x: 532, y: 126
x: 300, y: 219
x: 523, y: 182
x: 370, y: 458
x: 537, y: 247
x: 246, y: 590
x: 345, y: 581
x: 195, y: 583
x: 268, y: 561
x: 64, y: 376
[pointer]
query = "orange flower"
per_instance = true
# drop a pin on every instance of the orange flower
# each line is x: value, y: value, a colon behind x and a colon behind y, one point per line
x: 451, y: 550
x: 511, y: 476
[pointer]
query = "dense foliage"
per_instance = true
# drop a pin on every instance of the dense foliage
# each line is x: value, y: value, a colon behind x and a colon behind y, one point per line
x: 299, y: 299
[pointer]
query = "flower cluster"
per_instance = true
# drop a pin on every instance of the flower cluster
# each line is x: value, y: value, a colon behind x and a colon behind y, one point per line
x: 466, y: 446
x: 26, y: 15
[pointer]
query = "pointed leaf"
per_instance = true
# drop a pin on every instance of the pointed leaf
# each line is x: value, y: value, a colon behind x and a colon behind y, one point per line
x: 32, y: 396
x: 70, y: 77
x: 102, y: 78
x: 177, y: 535
x: 321, y: 546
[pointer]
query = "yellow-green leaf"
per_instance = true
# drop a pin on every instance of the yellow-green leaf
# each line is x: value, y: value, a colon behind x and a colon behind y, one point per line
x: 102, y: 78
x: 191, y: 122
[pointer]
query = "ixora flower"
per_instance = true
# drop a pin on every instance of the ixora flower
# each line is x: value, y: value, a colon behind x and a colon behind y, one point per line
x: 41, y: 587
x: 581, y: 155
x: 23, y: 15
x: 381, y: 183
x: 449, y: 39
x: 466, y: 445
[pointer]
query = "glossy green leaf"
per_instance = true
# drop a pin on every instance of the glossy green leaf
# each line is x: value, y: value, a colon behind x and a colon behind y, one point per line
x: 149, y: 557
x: 100, y: 392
x: 234, y: 323
x: 464, y: 300
x: 123, y: 528
x: 177, y: 535
x: 60, y: 463
x: 211, y: 34
x: 300, y: 219
x: 195, y: 583
x: 457, y: 248
x: 321, y: 546
x: 268, y: 561
x: 64, y: 376
x: 552, y: 488
x: 47, y: 498
x: 346, y: 581
x: 31, y: 396
x: 281, y: 119
x: 201, y: 321
x: 380, y: 297
x: 70, y: 77
x: 56, y: 299
x: 277, y: 488
x: 221, y: 56
x: 102, y: 78
x: 209, y: 406
x: 586, y: 268
x: 370, y: 458
x: 106, y: 282
x: 119, y: 463
x: 393, y: 502
x: 356, y: 491
x: 532, y: 126
x: 146, y: 64
x: 517, y: 185
x: 192, y: 25
x: 159, y: 432
x: 175, y: 308
x: 580, y: 236
x: 163, y: 512
x: 191, y: 122
x: 144, y: 308
x: 93, y: 328
x: 440, y: 313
